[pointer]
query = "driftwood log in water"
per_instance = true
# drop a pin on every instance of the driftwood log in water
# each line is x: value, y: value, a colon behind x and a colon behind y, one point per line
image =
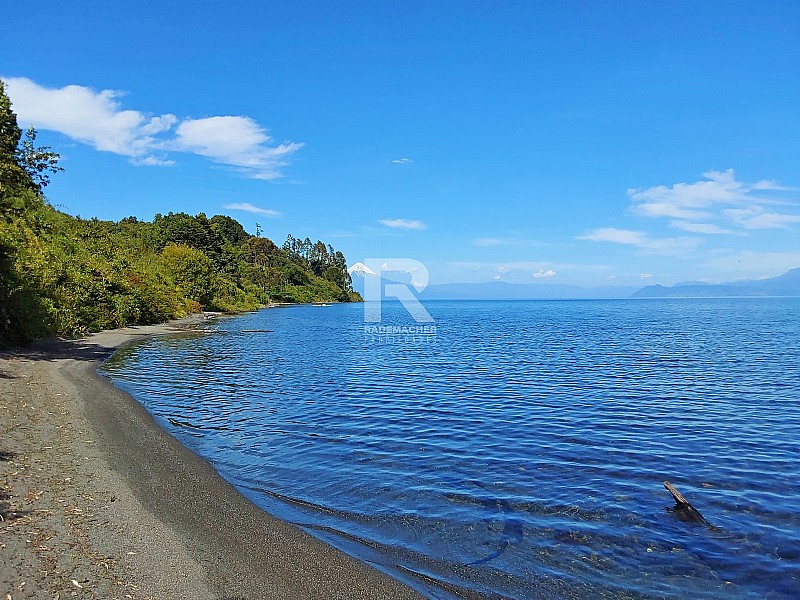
x: 684, y: 510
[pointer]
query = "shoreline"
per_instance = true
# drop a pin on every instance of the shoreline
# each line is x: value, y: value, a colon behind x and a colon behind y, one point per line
x: 98, y: 501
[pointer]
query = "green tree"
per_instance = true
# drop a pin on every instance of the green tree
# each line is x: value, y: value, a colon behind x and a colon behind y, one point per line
x: 260, y: 251
x: 37, y: 162
x: 22, y: 163
x: 183, y: 229
x: 229, y: 230
x: 24, y: 309
x: 319, y: 259
x: 190, y: 270
x: 12, y: 175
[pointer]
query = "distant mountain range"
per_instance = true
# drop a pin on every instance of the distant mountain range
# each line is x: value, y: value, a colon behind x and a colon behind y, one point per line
x: 787, y: 284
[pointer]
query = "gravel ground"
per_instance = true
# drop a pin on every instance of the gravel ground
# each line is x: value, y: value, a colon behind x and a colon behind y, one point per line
x: 97, y: 501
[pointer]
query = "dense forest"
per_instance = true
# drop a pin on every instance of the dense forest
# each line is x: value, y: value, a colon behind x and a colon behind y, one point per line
x: 63, y: 275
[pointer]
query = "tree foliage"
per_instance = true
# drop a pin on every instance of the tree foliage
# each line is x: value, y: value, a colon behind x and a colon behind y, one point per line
x: 65, y: 275
x: 38, y: 162
x: 12, y: 175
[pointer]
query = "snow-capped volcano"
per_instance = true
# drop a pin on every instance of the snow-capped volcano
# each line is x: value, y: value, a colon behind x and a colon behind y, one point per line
x: 361, y: 270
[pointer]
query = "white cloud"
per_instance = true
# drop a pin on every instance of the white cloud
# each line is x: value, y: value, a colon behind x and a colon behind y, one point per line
x: 617, y: 236
x: 522, y: 271
x: 528, y: 266
x: 756, y: 217
x: 667, y: 246
x: 94, y: 118
x: 501, y: 272
x: 236, y: 141
x: 544, y: 274
x: 152, y: 161
x: 247, y: 207
x: 700, y: 227
x: 98, y: 120
x: 715, y: 206
x: 771, y: 221
x: 402, y: 161
x: 492, y: 266
x: 645, y: 276
x: 403, y: 223
x: 720, y: 198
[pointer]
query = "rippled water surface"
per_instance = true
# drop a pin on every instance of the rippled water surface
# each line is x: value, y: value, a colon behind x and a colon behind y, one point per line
x: 521, y: 451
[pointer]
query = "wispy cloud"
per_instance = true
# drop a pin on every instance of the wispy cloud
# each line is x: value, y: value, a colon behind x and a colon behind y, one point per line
x: 247, y: 207
x: 716, y: 205
x: 99, y: 120
x: 501, y: 273
x: 617, y: 236
x: 493, y: 266
x: 525, y: 271
x: 668, y: 246
x: 402, y: 161
x: 756, y: 217
x: 403, y: 223
x: 700, y: 227
x: 151, y: 161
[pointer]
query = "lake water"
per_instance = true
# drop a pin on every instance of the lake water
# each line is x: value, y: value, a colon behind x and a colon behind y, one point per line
x: 517, y: 452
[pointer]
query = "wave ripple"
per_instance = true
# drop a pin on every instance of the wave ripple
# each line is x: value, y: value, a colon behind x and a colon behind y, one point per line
x: 519, y: 455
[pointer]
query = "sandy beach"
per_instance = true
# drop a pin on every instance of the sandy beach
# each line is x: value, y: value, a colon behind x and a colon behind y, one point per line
x: 97, y: 501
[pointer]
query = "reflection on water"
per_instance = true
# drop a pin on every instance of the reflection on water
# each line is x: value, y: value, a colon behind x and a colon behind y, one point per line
x: 521, y: 454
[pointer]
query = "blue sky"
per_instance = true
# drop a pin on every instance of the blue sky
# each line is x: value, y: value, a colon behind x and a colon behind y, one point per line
x: 588, y: 143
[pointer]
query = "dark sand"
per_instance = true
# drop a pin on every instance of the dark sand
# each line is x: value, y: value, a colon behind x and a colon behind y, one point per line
x: 97, y: 501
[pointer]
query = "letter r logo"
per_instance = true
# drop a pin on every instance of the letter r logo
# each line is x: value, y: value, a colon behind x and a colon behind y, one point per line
x: 376, y: 288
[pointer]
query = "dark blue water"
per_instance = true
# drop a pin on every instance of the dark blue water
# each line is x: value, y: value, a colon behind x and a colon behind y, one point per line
x: 520, y: 451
